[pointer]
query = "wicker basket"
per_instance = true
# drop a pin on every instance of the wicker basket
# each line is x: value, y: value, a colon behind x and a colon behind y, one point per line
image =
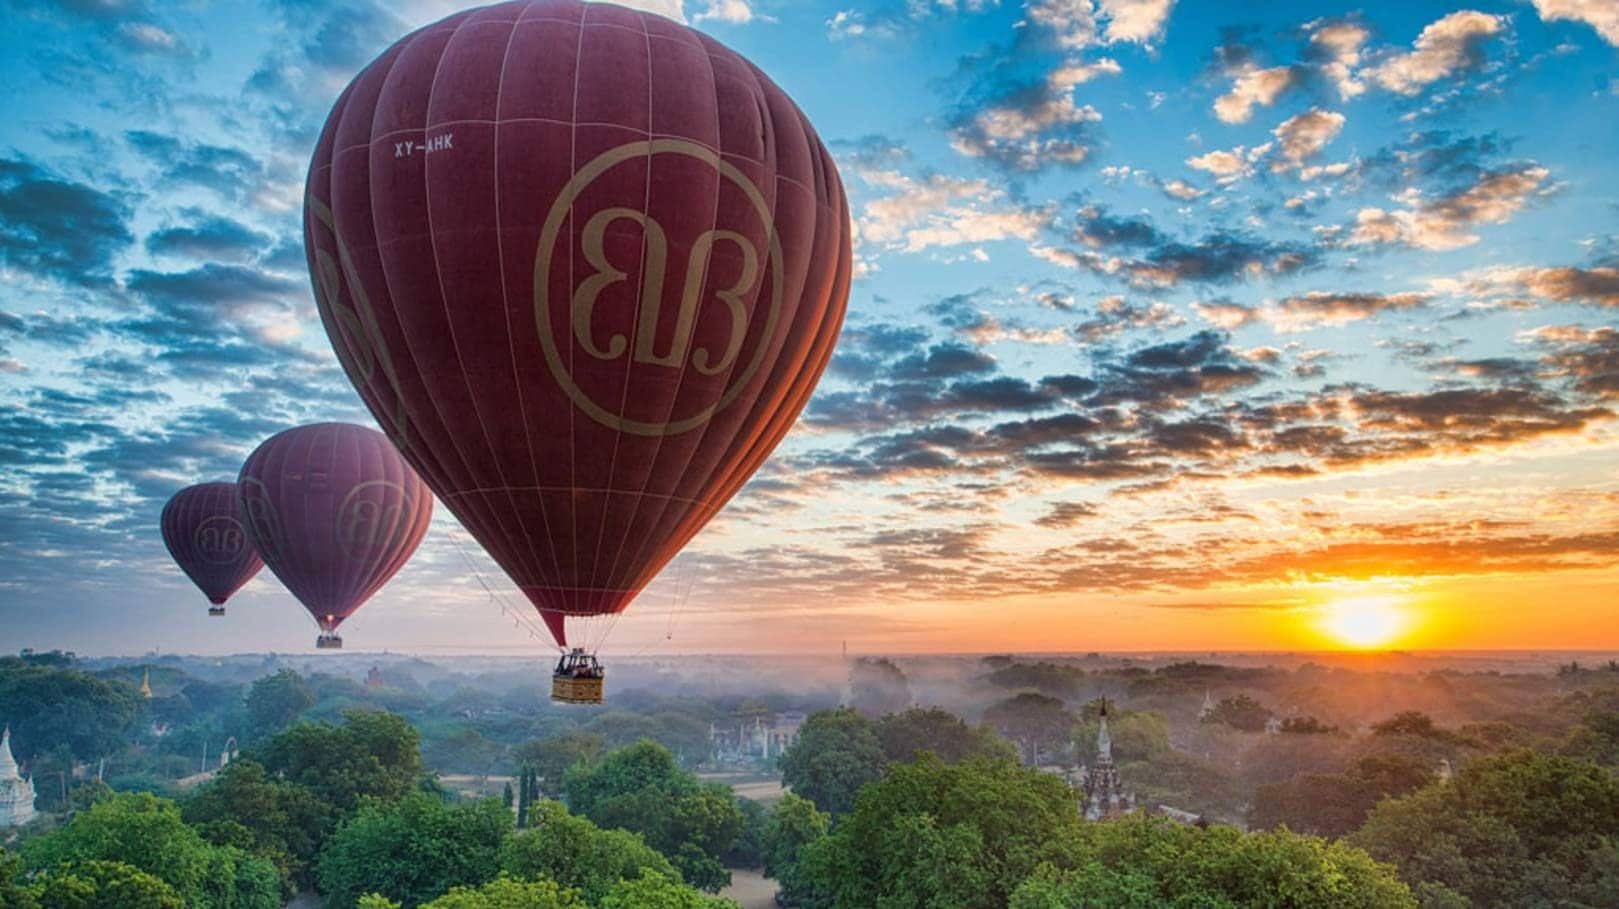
x: 569, y: 689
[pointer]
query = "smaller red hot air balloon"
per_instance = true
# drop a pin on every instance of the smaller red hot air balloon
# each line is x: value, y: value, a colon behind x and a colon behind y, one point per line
x: 203, y: 531
x: 335, y: 512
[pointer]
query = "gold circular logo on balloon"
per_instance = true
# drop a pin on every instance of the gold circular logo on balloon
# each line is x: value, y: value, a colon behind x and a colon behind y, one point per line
x: 642, y: 347
x: 220, y: 539
x: 365, y: 520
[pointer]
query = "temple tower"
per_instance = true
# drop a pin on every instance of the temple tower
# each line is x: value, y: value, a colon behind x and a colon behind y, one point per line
x: 16, y: 793
x: 1105, y: 796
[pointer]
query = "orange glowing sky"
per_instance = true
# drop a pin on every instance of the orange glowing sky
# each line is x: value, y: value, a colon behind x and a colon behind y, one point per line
x: 1138, y: 355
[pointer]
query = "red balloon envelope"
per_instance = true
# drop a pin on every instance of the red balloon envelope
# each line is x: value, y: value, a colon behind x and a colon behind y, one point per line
x: 335, y: 512
x: 585, y: 265
x: 203, y: 531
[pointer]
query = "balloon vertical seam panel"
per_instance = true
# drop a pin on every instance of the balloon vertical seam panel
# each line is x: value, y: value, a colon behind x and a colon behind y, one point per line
x: 599, y: 199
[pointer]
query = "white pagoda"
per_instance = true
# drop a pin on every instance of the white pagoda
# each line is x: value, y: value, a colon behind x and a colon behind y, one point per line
x: 16, y: 793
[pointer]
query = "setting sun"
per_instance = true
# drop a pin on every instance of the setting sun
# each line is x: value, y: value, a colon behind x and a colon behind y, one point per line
x: 1364, y: 622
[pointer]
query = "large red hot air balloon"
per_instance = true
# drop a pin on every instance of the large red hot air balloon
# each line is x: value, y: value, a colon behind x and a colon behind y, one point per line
x: 204, y: 533
x: 335, y: 512
x: 585, y: 266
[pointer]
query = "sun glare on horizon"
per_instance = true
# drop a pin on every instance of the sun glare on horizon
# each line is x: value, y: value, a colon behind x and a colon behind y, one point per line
x: 1365, y: 622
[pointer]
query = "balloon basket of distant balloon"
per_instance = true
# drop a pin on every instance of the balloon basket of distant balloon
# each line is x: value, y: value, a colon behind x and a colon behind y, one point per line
x: 577, y: 679
x: 329, y: 642
x: 216, y: 610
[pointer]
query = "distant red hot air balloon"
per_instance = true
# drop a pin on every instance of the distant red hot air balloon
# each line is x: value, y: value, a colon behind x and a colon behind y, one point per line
x: 203, y: 531
x: 335, y: 512
x: 585, y: 266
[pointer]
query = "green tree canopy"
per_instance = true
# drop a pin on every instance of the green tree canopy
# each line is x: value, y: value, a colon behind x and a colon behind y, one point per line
x: 1034, y: 721
x: 878, y: 687
x: 905, y: 735
x: 1596, y: 738
x: 1306, y: 725
x: 1335, y: 804
x: 501, y: 893
x: 97, y: 885
x: 1240, y: 712
x: 791, y: 828
x: 506, y: 893
x: 640, y: 788
x: 680, y: 732
x: 372, y: 754
x: 1151, y: 863
x: 1046, y: 678
x: 11, y: 892
x: 577, y: 854
x: 931, y: 834
x: 412, y: 850
x: 551, y: 757
x: 655, y: 891
x: 747, y: 850
x: 147, y: 833
x: 275, y: 701
x: 48, y: 704
x: 281, y: 820
x: 1522, y: 829
x: 836, y: 753
x: 1410, y: 722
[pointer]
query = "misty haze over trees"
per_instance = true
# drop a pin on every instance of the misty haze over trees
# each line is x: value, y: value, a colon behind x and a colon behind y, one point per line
x: 932, y: 781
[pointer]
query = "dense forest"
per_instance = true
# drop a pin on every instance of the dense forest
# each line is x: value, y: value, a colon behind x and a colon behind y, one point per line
x: 243, y: 783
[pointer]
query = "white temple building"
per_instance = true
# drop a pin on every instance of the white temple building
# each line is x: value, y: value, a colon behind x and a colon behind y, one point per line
x: 16, y: 793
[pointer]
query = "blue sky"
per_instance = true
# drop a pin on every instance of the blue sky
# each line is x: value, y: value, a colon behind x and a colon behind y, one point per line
x: 1176, y: 322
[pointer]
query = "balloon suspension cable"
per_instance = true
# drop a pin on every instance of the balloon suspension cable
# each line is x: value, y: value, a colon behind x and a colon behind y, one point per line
x: 683, y: 583
x: 520, y: 620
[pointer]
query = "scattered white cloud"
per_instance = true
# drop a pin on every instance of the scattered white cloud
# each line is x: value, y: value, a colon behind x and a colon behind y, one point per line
x: 919, y: 213
x: 1084, y: 23
x: 991, y: 331
x: 1225, y: 314
x: 846, y: 23
x: 1072, y: 22
x: 1309, y: 311
x: 1305, y: 135
x: 152, y: 39
x: 1135, y: 21
x: 735, y: 12
x: 1443, y: 222
x: 671, y: 9
x: 1336, y: 169
x: 1554, y: 284
x: 1338, y: 46
x: 1229, y: 165
x: 1602, y: 15
x: 1075, y: 73
x: 1322, y: 309
x: 1253, y: 87
x: 1182, y: 191
x: 1036, y: 129
x: 1115, y: 314
x: 1446, y: 47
